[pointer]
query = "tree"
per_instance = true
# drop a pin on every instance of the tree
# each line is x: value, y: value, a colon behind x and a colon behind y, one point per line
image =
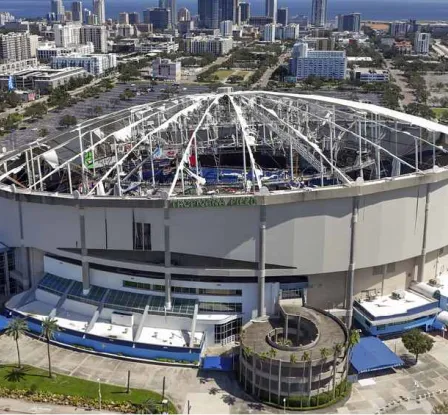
x: 324, y: 354
x: 127, y: 95
x: 417, y: 342
x: 43, y: 132
x: 13, y: 99
x: 49, y: 328
x: 37, y: 110
x: 68, y: 120
x: 98, y: 110
x: 337, y: 349
x: 306, y: 357
x: 353, y: 339
x: 441, y: 409
x: 16, y: 328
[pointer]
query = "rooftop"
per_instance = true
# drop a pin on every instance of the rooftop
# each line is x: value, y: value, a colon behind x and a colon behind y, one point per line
x: 387, y: 306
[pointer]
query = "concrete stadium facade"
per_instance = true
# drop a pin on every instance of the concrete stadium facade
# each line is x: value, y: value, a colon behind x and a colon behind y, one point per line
x: 331, y: 244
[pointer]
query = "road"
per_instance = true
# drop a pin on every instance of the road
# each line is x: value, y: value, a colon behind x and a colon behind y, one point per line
x: 408, y: 94
x: 267, y: 75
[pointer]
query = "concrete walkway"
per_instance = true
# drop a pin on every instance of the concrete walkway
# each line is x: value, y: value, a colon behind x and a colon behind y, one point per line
x: 217, y: 393
x: 17, y: 406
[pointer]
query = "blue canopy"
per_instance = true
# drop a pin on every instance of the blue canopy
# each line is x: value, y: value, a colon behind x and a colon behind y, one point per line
x: 372, y: 354
x: 221, y: 363
x: 4, y: 321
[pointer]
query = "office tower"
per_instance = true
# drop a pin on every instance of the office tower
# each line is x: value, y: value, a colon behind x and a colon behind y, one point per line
x: 399, y: 29
x: 291, y: 31
x: 269, y: 33
x: 123, y: 18
x: 349, y: 22
x: 322, y: 64
x: 77, y: 12
x: 170, y: 4
x: 226, y: 28
x: 319, y: 13
x: 183, y: 15
x: 271, y: 9
x: 57, y: 8
x: 422, y: 42
x: 228, y: 10
x: 68, y: 16
x: 159, y: 18
x: 99, y: 8
x: 95, y: 34
x: 208, y: 13
x: 282, y: 16
x: 86, y: 16
x: 15, y: 47
x: 244, y: 11
x: 134, y: 18
x: 6, y: 17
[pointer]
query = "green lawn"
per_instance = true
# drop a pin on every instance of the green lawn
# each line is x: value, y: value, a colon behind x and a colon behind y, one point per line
x: 223, y: 74
x: 439, y: 111
x: 37, y: 380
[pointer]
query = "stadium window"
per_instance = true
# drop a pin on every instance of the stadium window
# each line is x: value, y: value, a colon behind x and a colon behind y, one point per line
x: 142, y: 236
x: 391, y: 267
x: 378, y: 270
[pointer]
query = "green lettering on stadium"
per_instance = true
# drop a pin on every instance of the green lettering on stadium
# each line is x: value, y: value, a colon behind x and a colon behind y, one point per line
x: 212, y: 202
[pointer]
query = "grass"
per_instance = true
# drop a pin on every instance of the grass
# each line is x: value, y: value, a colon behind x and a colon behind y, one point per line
x: 439, y: 111
x: 223, y: 74
x: 37, y: 380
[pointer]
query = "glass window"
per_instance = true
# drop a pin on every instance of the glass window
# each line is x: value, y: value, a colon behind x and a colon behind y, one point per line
x: 228, y: 332
x: 222, y: 292
x: 147, y: 236
x: 220, y: 307
x: 138, y: 236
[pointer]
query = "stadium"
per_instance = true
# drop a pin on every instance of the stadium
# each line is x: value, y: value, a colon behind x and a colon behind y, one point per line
x: 158, y: 231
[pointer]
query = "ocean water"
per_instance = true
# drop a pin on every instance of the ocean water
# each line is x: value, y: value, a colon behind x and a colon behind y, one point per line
x: 370, y: 9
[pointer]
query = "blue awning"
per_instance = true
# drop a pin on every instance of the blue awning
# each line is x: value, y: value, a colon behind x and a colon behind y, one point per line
x: 220, y: 363
x: 4, y: 321
x: 372, y: 354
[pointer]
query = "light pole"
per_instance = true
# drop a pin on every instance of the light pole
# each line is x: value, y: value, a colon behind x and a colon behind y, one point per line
x: 99, y: 391
x: 284, y: 405
x: 416, y: 388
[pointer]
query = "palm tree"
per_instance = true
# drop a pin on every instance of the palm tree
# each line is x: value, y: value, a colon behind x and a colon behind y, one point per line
x: 337, y: 349
x: 49, y: 327
x: 353, y: 339
x: 272, y: 353
x: 305, y: 358
x: 292, y: 360
x: 324, y: 353
x: 16, y: 328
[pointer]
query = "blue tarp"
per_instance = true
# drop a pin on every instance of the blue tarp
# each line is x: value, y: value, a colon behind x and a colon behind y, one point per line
x: 372, y: 354
x: 224, y: 364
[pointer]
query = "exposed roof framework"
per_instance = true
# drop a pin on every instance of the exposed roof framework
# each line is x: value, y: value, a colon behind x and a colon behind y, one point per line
x: 163, y: 149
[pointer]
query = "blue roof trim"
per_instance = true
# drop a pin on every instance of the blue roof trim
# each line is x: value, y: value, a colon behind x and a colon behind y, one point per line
x: 220, y: 363
x: 372, y: 354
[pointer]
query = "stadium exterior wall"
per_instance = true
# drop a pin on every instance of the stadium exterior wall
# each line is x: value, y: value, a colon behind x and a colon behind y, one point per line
x: 309, y: 232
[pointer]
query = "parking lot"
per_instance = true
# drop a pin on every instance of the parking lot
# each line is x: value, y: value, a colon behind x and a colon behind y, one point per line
x: 109, y: 102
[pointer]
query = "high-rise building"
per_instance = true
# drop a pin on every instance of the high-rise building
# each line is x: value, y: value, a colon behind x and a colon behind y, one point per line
x: 68, y: 16
x: 399, y: 29
x: 319, y: 13
x: 291, y: 31
x: 15, y: 47
x: 99, y: 8
x: 65, y: 35
x: 244, y: 11
x: 349, y: 22
x: 57, y: 8
x: 208, y: 13
x: 159, y: 18
x: 167, y: 69
x: 282, y: 16
x: 271, y: 9
x: 422, y: 43
x: 172, y: 5
x: 226, y: 27
x: 123, y: 18
x: 77, y: 12
x: 86, y: 16
x: 322, y: 64
x: 228, y: 10
x: 269, y: 33
x: 134, y: 18
x: 183, y: 15
x: 97, y: 35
